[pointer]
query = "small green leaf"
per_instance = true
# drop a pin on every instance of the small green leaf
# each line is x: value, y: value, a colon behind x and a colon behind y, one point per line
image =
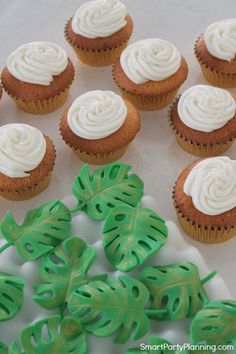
x: 52, y: 336
x: 176, y: 288
x: 43, y: 228
x: 11, y: 295
x: 63, y: 270
x: 103, y: 308
x: 154, y: 345
x: 3, y: 348
x: 132, y: 235
x: 108, y: 186
x: 215, y: 324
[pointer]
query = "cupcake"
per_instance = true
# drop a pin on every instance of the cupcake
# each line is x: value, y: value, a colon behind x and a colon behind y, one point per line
x: 99, y: 125
x: 26, y: 161
x: 205, y: 199
x: 215, y: 50
x: 149, y: 73
x: 38, y: 76
x: 204, y: 120
x: 99, y: 31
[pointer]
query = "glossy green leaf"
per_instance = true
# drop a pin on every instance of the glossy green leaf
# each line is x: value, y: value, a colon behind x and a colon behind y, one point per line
x: 99, y: 192
x: 3, y: 348
x: 104, y: 308
x: 11, y: 295
x: 215, y: 324
x: 63, y: 270
x: 52, y: 336
x: 176, y: 288
x: 43, y: 228
x: 154, y: 345
x: 132, y: 235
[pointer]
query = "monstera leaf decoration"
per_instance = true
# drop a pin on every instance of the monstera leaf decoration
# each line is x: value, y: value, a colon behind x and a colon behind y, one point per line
x: 157, y: 345
x: 52, y: 336
x: 104, y: 308
x: 132, y: 235
x: 11, y: 295
x: 99, y: 192
x: 43, y: 228
x: 63, y: 270
x: 215, y: 324
x: 176, y: 288
x: 3, y: 348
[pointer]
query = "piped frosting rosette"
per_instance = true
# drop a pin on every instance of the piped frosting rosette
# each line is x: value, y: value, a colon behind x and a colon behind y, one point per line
x: 220, y: 39
x: 37, y: 62
x: 99, y: 18
x: 22, y: 148
x: 212, y: 185
x: 96, y: 114
x: 206, y: 108
x: 150, y: 59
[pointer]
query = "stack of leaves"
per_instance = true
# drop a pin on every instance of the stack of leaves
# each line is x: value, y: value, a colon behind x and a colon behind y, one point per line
x: 98, y: 304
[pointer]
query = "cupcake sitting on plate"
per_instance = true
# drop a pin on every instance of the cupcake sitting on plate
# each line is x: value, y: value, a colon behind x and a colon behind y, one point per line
x: 204, y: 120
x: 27, y: 159
x: 99, y: 31
x: 149, y: 73
x: 215, y: 50
x: 38, y: 76
x: 205, y: 199
x: 99, y: 125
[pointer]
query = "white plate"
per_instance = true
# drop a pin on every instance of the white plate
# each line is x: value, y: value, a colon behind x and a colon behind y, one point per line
x: 176, y: 250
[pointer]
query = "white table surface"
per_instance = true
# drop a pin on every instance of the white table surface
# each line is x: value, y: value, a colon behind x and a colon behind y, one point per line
x: 154, y: 154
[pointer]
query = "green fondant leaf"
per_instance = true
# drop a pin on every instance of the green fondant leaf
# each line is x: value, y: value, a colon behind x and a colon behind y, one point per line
x: 43, y: 228
x: 3, y: 348
x: 108, y: 186
x: 132, y: 235
x: 215, y: 324
x: 63, y: 270
x: 103, y: 308
x: 176, y: 288
x: 154, y: 345
x: 52, y: 335
x: 11, y: 295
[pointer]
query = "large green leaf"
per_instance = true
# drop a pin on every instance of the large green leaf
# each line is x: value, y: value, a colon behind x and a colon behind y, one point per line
x: 99, y: 192
x: 43, y: 228
x: 215, y: 324
x: 103, y: 308
x: 52, y: 336
x: 132, y: 235
x: 176, y: 288
x: 11, y: 295
x: 63, y: 270
x: 3, y: 348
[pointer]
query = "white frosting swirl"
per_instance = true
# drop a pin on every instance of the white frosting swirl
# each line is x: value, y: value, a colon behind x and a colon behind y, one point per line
x: 150, y: 59
x: 206, y: 108
x: 220, y: 39
x: 99, y: 18
x: 212, y: 185
x: 22, y: 148
x: 37, y: 62
x: 96, y: 114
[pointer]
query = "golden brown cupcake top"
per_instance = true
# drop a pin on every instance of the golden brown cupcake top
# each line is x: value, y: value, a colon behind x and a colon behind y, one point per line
x: 117, y: 140
x: 151, y: 88
x: 212, y: 62
x: 33, y: 92
x: 186, y: 203
x: 34, y: 176
x: 205, y: 114
x: 101, y: 43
